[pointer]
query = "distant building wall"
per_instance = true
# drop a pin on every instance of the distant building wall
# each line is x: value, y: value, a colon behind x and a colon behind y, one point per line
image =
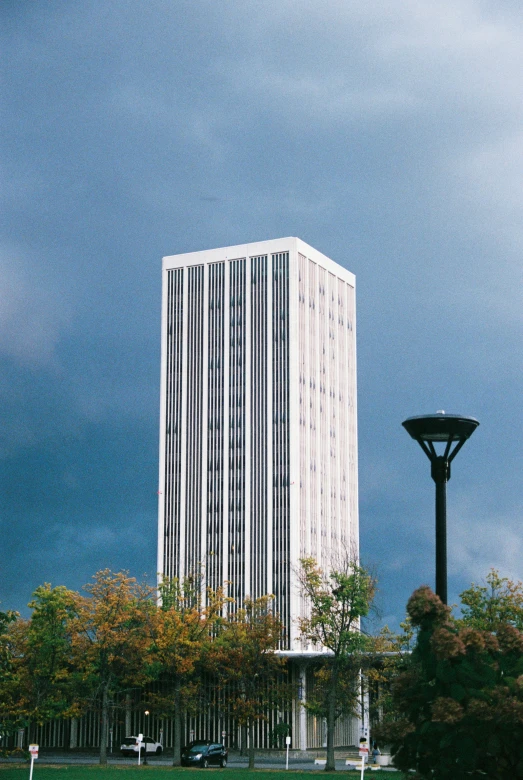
x: 258, y: 420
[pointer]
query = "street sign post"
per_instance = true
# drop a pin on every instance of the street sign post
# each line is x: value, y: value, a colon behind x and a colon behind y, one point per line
x: 364, y: 754
x: 287, y: 743
x: 33, y: 749
x: 140, y: 742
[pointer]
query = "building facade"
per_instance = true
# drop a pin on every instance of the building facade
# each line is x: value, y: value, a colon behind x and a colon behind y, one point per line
x: 258, y: 429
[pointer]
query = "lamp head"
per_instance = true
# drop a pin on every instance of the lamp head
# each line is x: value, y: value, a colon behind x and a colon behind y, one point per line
x: 447, y: 429
x: 440, y: 427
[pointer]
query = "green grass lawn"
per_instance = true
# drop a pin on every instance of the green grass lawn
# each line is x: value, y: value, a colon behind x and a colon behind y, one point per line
x: 74, y: 772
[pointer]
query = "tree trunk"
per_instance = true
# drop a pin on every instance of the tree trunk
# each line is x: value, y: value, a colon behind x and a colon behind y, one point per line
x: 330, y: 766
x: 177, y: 725
x: 251, y: 744
x: 243, y: 739
x: 67, y: 734
x: 105, y: 726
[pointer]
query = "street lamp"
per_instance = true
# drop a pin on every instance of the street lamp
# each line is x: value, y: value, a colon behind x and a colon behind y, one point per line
x: 146, y: 713
x: 452, y: 431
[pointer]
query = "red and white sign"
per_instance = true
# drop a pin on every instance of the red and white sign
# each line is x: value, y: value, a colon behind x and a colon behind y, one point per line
x: 33, y: 749
x: 364, y: 751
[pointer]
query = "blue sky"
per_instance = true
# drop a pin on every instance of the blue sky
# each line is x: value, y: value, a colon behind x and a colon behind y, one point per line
x: 386, y: 134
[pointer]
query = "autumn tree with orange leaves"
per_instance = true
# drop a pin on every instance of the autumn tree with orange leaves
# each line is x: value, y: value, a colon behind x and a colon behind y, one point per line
x: 111, y: 637
x: 244, y: 663
x: 183, y: 627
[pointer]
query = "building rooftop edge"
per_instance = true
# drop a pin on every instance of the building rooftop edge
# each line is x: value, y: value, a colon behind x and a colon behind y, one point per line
x: 235, y: 246
x: 252, y: 249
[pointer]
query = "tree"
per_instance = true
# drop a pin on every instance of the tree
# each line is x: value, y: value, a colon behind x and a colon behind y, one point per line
x: 243, y: 661
x: 111, y: 636
x: 44, y: 663
x: 459, y: 698
x: 8, y: 685
x: 390, y: 651
x: 6, y: 618
x: 183, y: 627
x: 498, y: 602
x: 337, y: 600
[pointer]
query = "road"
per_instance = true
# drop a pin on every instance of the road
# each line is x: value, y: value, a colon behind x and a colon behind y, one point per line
x: 262, y: 762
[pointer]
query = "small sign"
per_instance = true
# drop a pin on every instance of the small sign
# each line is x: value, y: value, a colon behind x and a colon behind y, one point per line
x: 33, y: 749
x: 287, y: 740
x: 364, y: 751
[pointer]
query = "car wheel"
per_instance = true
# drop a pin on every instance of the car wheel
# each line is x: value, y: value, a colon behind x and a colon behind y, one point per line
x: 223, y: 763
x: 158, y: 751
x: 205, y: 763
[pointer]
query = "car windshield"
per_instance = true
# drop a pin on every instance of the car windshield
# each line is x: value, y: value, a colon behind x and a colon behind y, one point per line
x: 197, y: 748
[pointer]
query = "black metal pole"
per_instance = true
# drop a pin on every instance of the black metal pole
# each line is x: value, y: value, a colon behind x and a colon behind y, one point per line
x: 441, y: 540
x: 441, y: 474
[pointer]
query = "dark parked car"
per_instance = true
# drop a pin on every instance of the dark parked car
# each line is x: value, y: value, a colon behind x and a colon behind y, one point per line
x: 201, y: 752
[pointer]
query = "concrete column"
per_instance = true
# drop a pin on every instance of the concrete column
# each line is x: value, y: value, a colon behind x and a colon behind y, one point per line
x: 302, y: 714
x: 365, y: 710
x: 73, y: 734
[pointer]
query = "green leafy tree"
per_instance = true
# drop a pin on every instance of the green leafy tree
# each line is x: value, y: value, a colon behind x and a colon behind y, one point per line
x: 46, y: 679
x: 459, y: 698
x: 41, y: 680
x: 244, y: 663
x: 6, y: 619
x: 496, y: 603
x: 390, y: 651
x: 337, y: 600
x: 8, y: 678
x: 111, y: 639
x: 183, y: 627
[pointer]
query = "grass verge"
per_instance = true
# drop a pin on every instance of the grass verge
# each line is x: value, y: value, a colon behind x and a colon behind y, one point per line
x: 75, y: 772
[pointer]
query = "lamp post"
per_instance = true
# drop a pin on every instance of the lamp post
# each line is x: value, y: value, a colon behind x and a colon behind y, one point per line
x: 452, y: 431
x: 146, y: 713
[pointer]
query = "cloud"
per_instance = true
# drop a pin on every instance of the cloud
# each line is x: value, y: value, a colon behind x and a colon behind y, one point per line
x: 32, y: 315
x: 479, y: 541
x: 492, y: 173
x: 347, y: 61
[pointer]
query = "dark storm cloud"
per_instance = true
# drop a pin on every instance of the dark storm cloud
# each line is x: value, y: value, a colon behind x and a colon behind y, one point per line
x: 386, y: 135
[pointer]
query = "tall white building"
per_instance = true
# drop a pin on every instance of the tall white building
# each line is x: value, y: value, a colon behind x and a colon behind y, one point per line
x: 258, y: 434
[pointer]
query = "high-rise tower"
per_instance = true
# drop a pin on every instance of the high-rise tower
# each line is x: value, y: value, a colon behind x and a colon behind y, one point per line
x: 258, y: 437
